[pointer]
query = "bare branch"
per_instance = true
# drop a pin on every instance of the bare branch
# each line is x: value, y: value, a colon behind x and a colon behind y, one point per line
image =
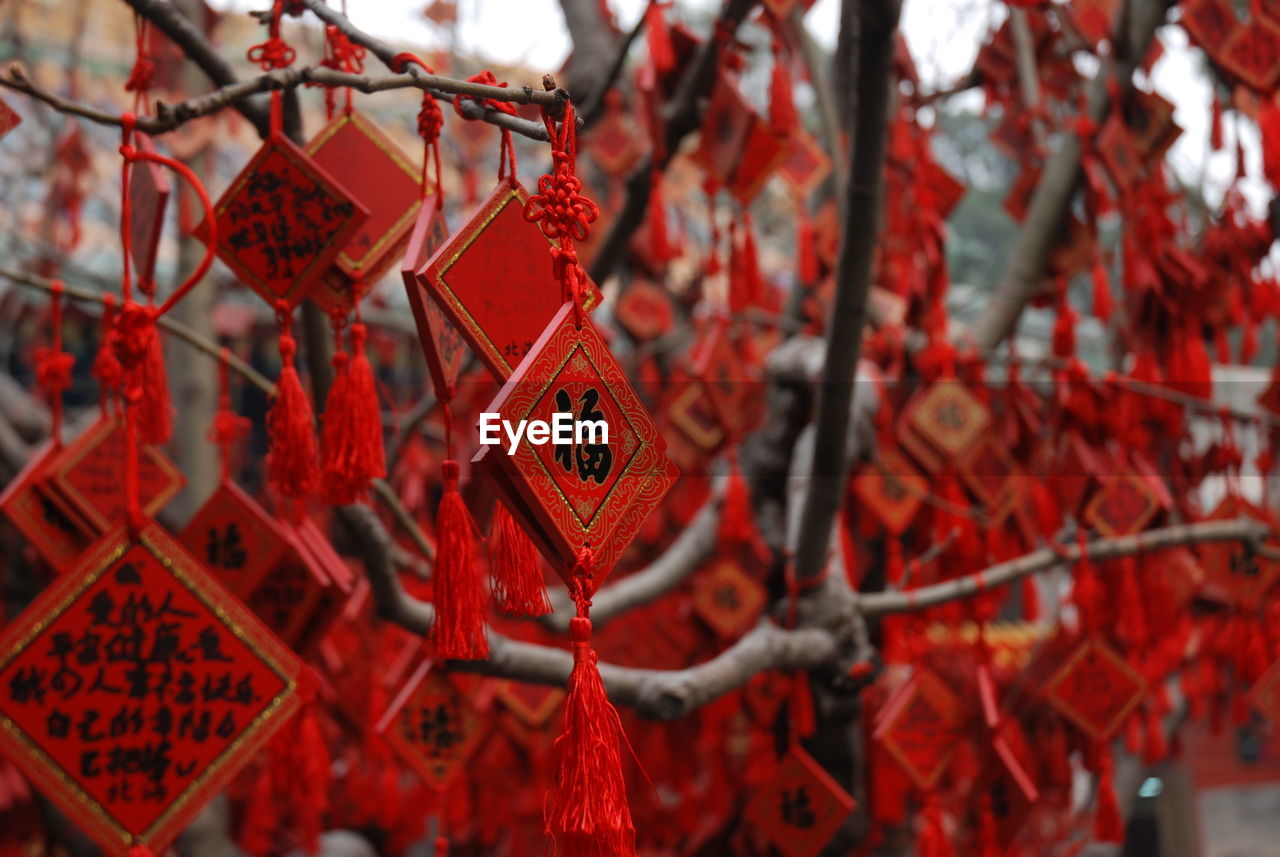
x: 694, y: 546
x: 1236, y: 530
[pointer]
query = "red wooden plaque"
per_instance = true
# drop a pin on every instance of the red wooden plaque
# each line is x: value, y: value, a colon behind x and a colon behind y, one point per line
x: 26, y: 502
x: 891, y: 488
x: 135, y: 687
x: 9, y: 118
x: 89, y: 477
x: 1119, y: 152
x: 1241, y: 573
x: 495, y: 281
x: 1122, y: 505
x: 283, y: 221
x: 692, y: 413
x: 442, y: 346
x: 590, y: 493
x: 725, y: 127
x: 800, y: 807
x: 728, y: 379
x: 1252, y: 53
x: 762, y: 153
x: 1095, y: 689
x: 1209, y: 22
x: 948, y: 417
x: 727, y: 599
x: 433, y: 726
x: 382, y: 179
x: 616, y: 143
x: 989, y: 472
x: 300, y: 598
x: 644, y: 309
x: 149, y: 189
x: 920, y: 726
x: 807, y: 164
x: 533, y: 704
x: 235, y: 539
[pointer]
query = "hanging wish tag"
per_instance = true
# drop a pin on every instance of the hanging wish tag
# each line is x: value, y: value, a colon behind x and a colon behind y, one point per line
x: 442, y: 345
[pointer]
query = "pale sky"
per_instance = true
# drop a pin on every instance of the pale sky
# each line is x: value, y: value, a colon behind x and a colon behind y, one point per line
x: 944, y: 36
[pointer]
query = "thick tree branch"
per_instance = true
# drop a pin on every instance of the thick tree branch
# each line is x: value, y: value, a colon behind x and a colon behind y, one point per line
x: 1246, y: 530
x: 595, y: 49
x: 1025, y: 270
x: 861, y: 209
x: 694, y: 546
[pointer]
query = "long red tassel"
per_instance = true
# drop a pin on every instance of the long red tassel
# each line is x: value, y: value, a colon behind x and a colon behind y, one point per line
x: 1101, y: 291
x: 314, y: 772
x: 590, y: 816
x: 806, y: 255
x: 459, y: 630
x: 258, y: 827
x: 291, y: 455
x: 515, y: 569
x: 1269, y: 126
x: 782, y: 109
x: 933, y: 840
x: 1108, y: 826
x: 353, y: 450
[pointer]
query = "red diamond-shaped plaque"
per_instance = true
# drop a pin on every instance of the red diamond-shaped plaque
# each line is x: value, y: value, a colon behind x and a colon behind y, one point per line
x: 948, y: 417
x: 1241, y: 573
x: 726, y: 598
x: 59, y: 537
x: 1122, y: 505
x: 1252, y: 53
x: 382, y: 178
x: 807, y: 164
x: 592, y: 493
x: 532, y: 703
x: 9, y: 118
x: 644, y: 309
x: 762, y: 152
x: 283, y: 222
x: 920, y: 726
x: 442, y: 345
x: 433, y: 727
x: 149, y: 189
x: 89, y: 477
x: 135, y: 687
x: 989, y: 472
x: 235, y: 538
x: 1265, y: 695
x: 725, y: 127
x: 891, y: 487
x: 800, y: 807
x: 495, y: 281
x: 1209, y: 22
x: 616, y: 143
x: 1095, y: 689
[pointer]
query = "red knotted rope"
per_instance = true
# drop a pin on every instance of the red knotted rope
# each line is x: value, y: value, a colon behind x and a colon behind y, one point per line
x: 430, y: 123
x: 144, y: 68
x: 53, y: 365
x: 507, y: 156
x: 274, y: 53
x: 341, y: 54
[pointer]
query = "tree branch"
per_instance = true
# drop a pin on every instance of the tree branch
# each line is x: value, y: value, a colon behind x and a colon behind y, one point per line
x: 862, y: 193
x: 1247, y: 530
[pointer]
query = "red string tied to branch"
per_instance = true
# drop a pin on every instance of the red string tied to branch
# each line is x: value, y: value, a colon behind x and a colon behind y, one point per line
x: 507, y: 157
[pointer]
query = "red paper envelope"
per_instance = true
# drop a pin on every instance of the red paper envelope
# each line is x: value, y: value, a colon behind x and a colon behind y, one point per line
x: 134, y: 688
x: 496, y: 282
x: 380, y: 177
x: 283, y: 221
x: 591, y: 494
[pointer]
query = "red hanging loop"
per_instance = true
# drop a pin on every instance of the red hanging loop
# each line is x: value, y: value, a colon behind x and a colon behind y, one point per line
x: 430, y: 123
x: 507, y: 154
x: 291, y: 454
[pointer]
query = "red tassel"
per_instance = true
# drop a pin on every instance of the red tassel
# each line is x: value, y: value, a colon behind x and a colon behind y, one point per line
x: 1249, y: 342
x: 1215, y: 125
x: 137, y: 348
x: 590, y: 816
x: 659, y: 244
x: 782, y: 109
x: 1156, y: 747
x: 291, y: 455
x: 515, y: 569
x: 752, y: 282
x: 1048, y: 515
x: 988, y: 846
x: 353, y: 451
x: 1108, y: 826
x: 804, y: 721
x: 933, y: 840
x: 1269, y: 126
x: 313, y: 772
x: 459, y: 630
x: 737, y: 519
x: 806, y: 256
x: 258, y: 827
x: 1101, y: 291
x: 658, y: 37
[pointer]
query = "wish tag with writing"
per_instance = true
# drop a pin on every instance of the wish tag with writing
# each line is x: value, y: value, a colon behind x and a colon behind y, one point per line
x: 990, y: 473
x: 306, y: 591
x: 644, y: 309
x: 1240, y: 573
x: 496, y: 281
x: 948, y: 418
x: 689, y: 410
x: 726, y: 598
x: 1209, y: 22
x: 433, y: 726
x: 134, y: 688
x: 88, y: 480
x: 283, y: 222
x: 725, y: 127
x: 1121, y: 505
x: 235, y: 538
x: 442, y: 345
x: 920, y: 726
x: 616, y: 142
x: 890, y: 487
x: 1095, y: 688
x: 593, y: 492
x: 9, y: 118
x: 353, y: 152
x: 59, y: 537
x: 149, y: 190
x: 806, y: 166
x: 800, y: 807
